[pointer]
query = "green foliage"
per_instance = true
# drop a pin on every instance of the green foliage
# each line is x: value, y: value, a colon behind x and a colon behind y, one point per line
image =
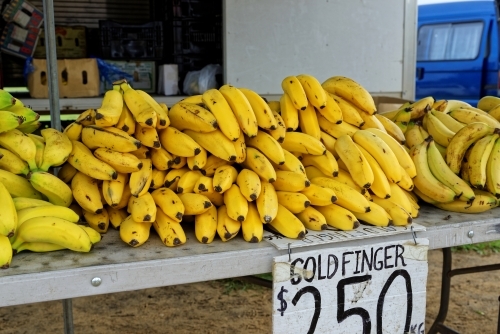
x: 484, y: 248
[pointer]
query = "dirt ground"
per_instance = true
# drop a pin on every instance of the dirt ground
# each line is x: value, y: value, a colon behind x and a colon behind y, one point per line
x: 228, y: 306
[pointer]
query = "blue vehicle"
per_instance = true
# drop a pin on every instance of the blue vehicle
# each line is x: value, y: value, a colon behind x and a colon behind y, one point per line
x: 457, y: 50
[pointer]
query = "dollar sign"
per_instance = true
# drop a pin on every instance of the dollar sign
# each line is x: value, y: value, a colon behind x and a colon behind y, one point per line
x: 282, y: 299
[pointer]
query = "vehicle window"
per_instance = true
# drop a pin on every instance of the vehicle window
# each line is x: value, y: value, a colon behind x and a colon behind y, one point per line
x: 451, y: 41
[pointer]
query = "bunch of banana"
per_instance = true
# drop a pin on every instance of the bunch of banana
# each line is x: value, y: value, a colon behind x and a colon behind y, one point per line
x: 15, y: 115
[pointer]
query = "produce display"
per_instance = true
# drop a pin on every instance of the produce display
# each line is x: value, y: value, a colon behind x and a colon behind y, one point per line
x: 228, y: 161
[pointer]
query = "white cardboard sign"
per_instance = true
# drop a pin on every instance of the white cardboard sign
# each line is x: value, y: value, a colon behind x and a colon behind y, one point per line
x: 373, y: 289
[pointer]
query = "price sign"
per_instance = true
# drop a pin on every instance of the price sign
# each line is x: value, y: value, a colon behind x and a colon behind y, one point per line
x: 372, y: 289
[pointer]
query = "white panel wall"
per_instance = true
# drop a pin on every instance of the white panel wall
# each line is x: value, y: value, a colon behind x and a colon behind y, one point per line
x: 362, y: 39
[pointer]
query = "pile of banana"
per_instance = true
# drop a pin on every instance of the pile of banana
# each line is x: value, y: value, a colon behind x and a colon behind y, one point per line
x: 15, y: 115
x: 456, y: 150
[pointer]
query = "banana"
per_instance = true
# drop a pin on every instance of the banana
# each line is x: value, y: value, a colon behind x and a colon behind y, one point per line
x: 227, y: 228
x: 287, y: 224
x: 97, y: 221
x: 279, y: 133
x: 483, y: 201
x: 346, y: 178
x: 420, y: 107
x: 308, y: 122
x: 268, y: 146
x: 38, y: 247
x: 319, y: 196
x: 329, y: 143
x: 468, y: 116
x: 294, y: 202
x: 439, y: 132
x: 9, y: 121
x: 240, y: 148
x: 40, y: 148
x: 147, y: 136
x: 263, y: 114
x: 241, y: 108
x: 193, y: 117
x: 179, y: 162
x: 267, y: 202
x: 173, y: 177
x: 332, y: 111
x: 352, y: 92
x: 25, y: 202
x: 226, y: 119
x: 303, y: 143
x: 401, y: 154
x: 371, y: 121
x: 18, y: 186
x: 194, y: 99
x: 142, y: 152
x: 121, y: 162
x: 257, y: 162
x: 338, y: 217
x: 125, y: 198
x: 312, y: 219
x: 224, y: 177
x: 94, y: 236
x: 289, y: 113
x: 274, y: 105
x: 495, y: 112
x: 236, y: 204
x: 205, y: 225
x: 212, y: 164
x: 391, y: 128
x: 377, y: 216
x: 350, y: 114
x: 56, y: 191
x: 8, y: 213
x: 179, y: 143
x: 478, y: 159
x: 112, y: 190
x: 171, y: 232
x: 488, y: 102
x: 86, y: 193
x: 21, y: 145
x: 86, y: 118
x: 134, y: 234
x: 74, y: 131
x: 249, y: 183
x: 413, y: 135
x: 336, y: 129
x: 82, y: 159
x: 400, y: 197
x: 187, y: 181
x: 292, y: 163
x: 12, y: 163
x: 425, y: 181
x: 140, y: 181
x: 402, y: 118
x: 464, y: 172
x: 381, y: 152
x: 158, y: 177
x: 355, y: 161
x: 205, y: 187
x: 198, y: 161
x: 194, y: 204
x: 293, y: 88
x: 326, y: 163
x: 214, y: 142
x: 55, y: 231
x: 116, y: 216
x: 161, y: 159
x: 252, y: 227
x: 399, y: 216
x: 347, y: 197
x: 6, y: 252
x: 492, y: 170
x: 143, y: 113
x: 380, y: 185
x: 161, y: 110
x: 115, y: 139
x: 464, y: 138
x: 142, y: 208
x: 29, y: 127
x: 312, y: 172
x: 447, y: 120
x: 316, y: 95
x: 58, y: 147
x: 290, y: 181
x: 111, y: 108
x: 169, y: 203
x: 126, y: 121
x: 406, y: 181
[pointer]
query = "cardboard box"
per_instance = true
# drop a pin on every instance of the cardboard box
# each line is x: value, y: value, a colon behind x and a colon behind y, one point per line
x: 18, y: 41
x: 77, y: 78
x: 23, y: 13
x: 386, y: 103
x: 142, y: 71
x: 71, y: 43
x: 168, y: 79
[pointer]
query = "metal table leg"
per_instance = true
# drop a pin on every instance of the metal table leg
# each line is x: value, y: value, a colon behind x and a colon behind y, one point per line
x: 498, y: 325
x: 68, y: 316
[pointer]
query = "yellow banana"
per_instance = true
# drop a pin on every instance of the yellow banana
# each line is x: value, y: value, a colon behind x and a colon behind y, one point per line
x: 338, y: 217
x: 8, y: 214
x: 205, y: 186
x: 289, y: 113
x: 169, y: 203
x: 116, y: 216
x: 399, y: 216
x: 143, y: 113
x: 468, y: 116
x: 422, y: 106
x: 355, y: 161
x: 257, y: 162
x: 439, y: 132
x: 94, y: 137
x: 74, y: 131
x: 377, y: 216
x: 126, y: 121
x: 25, y: 202
x: 142, y: 208
x: 287, y: 224
x: 371, y: 121
x: 319, y: 196
x: 194, y: 204
x: 488, y: 102
x: 139, y: 181
x: 214, y: 142
x: 195, y: 99
x: 400, y: 197
x: 290, y: 181
x: 97, y: 221
x: 161, y: 159
x: 173, y: 176
x: 294, y: 202
x: 5, y: 252
x: 87, y: 117
x: 240, y: 148
x: 249, y: 183
x: 492, y: 170
x: 292, y: 163
x: 205, y: 225
x: 329, y: 143
x: 391, y: 128
x: 213, y: 162
x: 380, y: 185
x: 266, y: 144
x: 142, y: 152
x: 187, y: 181
x: 336, y: 130
x: 147, y: 136
x: 478, y: 160
x: 12, y: 163
x: 111, y: 108
x: 18, y: 186
x: 293, y: 88
x: 224, y: 177
x: 495, y: 112
x: 483, y: 201
x: 267, y: 202
x: 252, y: 227
x: 350, y: 114
x: 326, y: 163
x: 134, y: 234
x: 312, y: 219
x: 236, y: 204
x: 121, y: 162
x: 312, y: 172
x: 38, y: 247
x: 171, y: 232
x: 82, y: 159
x: 58, y: 147
x: 308, y: 122
x: 241, y: 108
x: 198, y: 161
x: 125, y: 198
x: 179, y: 143
x: 316, y: 95
x: 193, y: 117
x: 275, y: 106
x: 21, y: 145
x: 263, y: 114
x: 86, y: 193
x: 447, y: 120
x: 303, y: 143
x: 227, y: 228
x: 406, y: 181
x: 413, y: 135
x: 9, y: 121
x: 56, y: 191
x: 347, y: 197
x: 161, y: 110
x: 94, y: 236
x: 332, y: 111
x: 226, y: 119
x: 351, y: 91
x: 112, y: 190
x: 279, y: 133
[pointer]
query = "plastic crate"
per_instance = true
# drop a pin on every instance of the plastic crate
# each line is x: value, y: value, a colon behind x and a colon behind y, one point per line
x: 196, y: 37
x: 120, y: 41
x: 195, y: 8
